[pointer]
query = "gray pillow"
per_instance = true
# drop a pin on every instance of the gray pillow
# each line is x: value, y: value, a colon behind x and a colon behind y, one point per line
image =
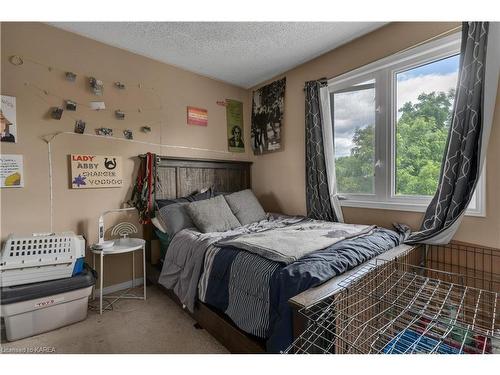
x: 245, y: 207
x: 212, y: 215
x: 175, y: 218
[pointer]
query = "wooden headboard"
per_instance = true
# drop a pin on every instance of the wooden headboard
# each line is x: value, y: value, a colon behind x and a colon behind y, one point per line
x: 183, y: 176
x: 179, y: 177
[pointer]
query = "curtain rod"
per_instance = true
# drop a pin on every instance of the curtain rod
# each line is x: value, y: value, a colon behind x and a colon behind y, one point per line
x: 435, y: 37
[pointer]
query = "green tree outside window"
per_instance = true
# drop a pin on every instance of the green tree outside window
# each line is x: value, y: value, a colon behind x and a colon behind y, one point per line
x: 421, y: 133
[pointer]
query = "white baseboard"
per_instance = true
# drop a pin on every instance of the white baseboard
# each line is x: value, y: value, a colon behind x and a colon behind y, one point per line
x: 121, y: 286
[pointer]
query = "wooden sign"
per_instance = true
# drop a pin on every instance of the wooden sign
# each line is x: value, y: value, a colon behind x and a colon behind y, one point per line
x: 95, y: 171
x: 197, y: 116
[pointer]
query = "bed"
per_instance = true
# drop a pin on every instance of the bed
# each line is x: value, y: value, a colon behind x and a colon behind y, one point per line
x: 245, y: 298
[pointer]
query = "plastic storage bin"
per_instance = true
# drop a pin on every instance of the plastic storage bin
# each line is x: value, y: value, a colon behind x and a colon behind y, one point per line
x: 35, y: 308
x: 40, y: 257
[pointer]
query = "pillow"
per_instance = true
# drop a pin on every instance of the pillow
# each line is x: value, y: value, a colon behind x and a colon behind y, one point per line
x: 175, y: 218
x: 212, y: 215
x: 245, y: 207
x: 203, y: 194
x: 206, y: 193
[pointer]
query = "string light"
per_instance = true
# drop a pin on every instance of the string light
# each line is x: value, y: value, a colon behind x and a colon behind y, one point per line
x: 19, y: 60
x: 52, y: 68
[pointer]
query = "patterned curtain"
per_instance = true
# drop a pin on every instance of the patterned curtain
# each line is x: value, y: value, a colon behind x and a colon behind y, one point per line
x: 317, y: 193
x: 461, y: 165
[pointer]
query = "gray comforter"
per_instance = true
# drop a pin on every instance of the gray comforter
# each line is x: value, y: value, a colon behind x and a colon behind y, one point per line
x: 183, y: 262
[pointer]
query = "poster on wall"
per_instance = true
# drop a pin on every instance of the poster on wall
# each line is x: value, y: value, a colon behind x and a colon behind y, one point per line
x: 11, y: 171
x: 234, y: 118
x: 95, y: 171
x: 8, y: 121
x: 267, y: 115
x: 197, y: 116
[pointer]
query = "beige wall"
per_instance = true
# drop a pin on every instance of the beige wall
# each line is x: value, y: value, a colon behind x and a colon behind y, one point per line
x: 278, y: 178
x: 26, y: 210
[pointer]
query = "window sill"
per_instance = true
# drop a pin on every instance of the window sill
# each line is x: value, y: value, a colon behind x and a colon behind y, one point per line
x: 398, y: 206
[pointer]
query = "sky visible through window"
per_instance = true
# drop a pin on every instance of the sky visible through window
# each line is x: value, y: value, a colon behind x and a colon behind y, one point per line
x: 437, y: 76
x: 356, y: 110
x: 352, y: 110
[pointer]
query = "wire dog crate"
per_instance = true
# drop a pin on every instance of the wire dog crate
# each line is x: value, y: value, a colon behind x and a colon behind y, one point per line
x: 392, y: 307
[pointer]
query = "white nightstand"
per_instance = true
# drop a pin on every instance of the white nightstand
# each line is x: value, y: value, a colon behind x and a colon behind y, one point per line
x: 121, y: 246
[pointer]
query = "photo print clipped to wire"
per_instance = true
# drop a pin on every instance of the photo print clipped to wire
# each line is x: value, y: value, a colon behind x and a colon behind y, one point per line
x: 70, y: 76
x: 96, y: 86
x: 56, y: 113
x: 70, y: 105
x: 127, y: 133
x: 108, y: 132
x: 80, y: 126
x: 97, y: 106
x: 120, y: 115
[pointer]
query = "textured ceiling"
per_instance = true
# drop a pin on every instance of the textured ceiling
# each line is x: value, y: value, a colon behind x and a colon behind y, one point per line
x: 241, y: 53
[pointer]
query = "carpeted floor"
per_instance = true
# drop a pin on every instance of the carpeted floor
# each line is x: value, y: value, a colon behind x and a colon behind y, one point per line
x: 156, y: 325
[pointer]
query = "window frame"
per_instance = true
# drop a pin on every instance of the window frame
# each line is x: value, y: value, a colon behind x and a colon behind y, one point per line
x: 384, y: 73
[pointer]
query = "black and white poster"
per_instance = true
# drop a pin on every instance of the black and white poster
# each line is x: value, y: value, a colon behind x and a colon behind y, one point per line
x: 267, y: 115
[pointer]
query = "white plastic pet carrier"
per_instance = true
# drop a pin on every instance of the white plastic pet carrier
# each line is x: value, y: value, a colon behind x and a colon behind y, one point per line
x: 40, y: 257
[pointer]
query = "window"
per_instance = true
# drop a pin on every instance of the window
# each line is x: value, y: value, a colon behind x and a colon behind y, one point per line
x: 390, y: 124
x: 354, y: 137
x: 424, y: 103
